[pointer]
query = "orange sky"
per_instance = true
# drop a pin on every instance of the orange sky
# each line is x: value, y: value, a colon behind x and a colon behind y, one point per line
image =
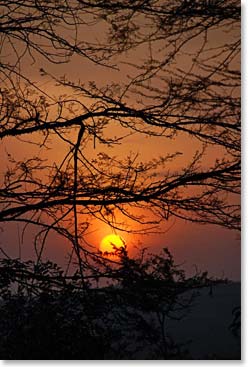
x: 209, y: 247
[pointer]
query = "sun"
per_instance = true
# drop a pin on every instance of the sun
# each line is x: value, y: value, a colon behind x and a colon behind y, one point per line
x: 111, y: 242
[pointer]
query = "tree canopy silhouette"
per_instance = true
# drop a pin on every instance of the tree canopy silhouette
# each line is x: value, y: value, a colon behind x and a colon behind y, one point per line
x: 178, y: 67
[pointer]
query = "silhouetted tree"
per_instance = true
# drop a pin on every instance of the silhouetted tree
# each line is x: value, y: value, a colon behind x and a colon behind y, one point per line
x: 46, y: 314
x: 181, y: 80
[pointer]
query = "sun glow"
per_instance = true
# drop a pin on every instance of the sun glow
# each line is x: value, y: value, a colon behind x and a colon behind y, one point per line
x: 110, y: 243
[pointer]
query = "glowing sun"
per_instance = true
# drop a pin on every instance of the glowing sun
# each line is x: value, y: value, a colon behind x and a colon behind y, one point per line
x: 110, y: 243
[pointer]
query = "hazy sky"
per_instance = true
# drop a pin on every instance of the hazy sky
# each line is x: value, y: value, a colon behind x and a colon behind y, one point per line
x: 208, y: 247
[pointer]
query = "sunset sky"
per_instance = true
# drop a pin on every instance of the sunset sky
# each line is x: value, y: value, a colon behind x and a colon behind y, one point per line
x: 205, y: 247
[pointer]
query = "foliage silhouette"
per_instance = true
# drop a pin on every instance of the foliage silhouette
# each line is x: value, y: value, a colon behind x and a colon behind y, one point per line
x: 46, y: 315
x: 186, y: 87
